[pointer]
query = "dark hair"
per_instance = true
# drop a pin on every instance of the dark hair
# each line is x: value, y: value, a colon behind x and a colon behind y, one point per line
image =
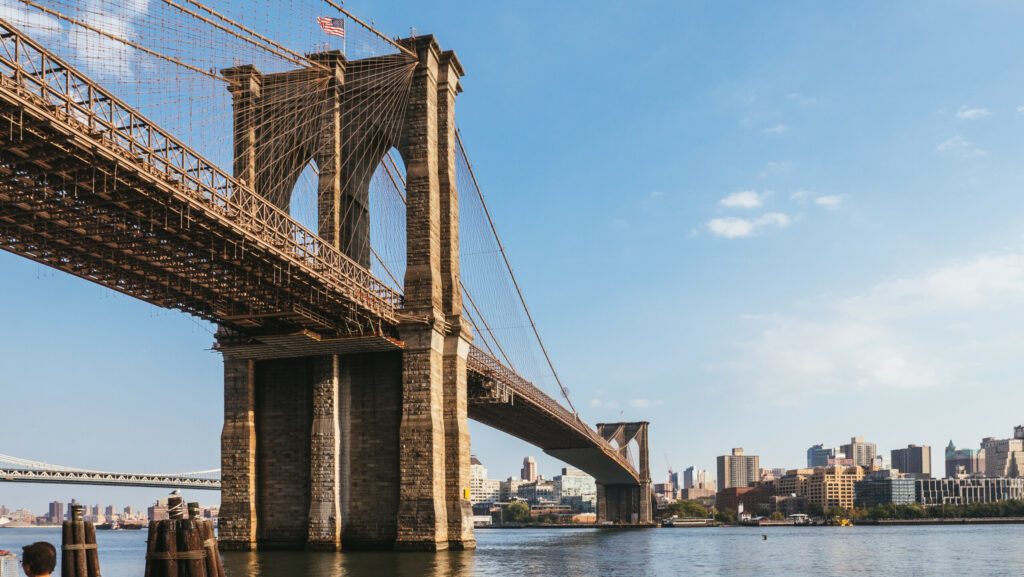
x: 39, y: 558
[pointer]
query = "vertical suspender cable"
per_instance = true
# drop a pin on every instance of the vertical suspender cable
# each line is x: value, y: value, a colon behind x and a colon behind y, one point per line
x: 508, y: 265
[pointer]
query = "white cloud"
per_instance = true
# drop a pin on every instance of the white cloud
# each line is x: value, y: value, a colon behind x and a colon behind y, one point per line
x: 801, y: 99
x: 102, y: 56
x: 744, y: 227
x: 655, y: 195
x: 802, y: 195
x: 829, y: 201
x: 915, y: 332
x: 777, y: 129
x: 1020, y: 109
x: 960, y: 146
x: 743, y: 199
x: 602, y: 404
x: 966, y: 113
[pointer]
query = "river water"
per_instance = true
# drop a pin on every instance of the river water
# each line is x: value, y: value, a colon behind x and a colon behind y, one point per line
x: 988, y: 550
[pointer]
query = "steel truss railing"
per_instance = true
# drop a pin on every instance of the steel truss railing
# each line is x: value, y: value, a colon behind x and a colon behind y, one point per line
x: 35, y: 74
x: 514, y: 387
x: 71, y: 477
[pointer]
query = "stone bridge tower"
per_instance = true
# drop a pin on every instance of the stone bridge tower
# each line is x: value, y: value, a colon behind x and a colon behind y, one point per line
x: 627, y: 504
x: 361, y: 448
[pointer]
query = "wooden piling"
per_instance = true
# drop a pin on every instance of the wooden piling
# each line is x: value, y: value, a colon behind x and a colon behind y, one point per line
x: 67, y: 561
x: 92, y: 554
x: 79, y: 552
x: 81, y: 568
x: 150, y: 549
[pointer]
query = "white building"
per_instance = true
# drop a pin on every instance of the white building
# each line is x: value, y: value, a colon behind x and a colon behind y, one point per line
x: 482, y: 489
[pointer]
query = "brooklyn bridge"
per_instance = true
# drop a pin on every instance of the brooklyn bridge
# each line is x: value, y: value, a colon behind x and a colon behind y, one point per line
x: 310, y: 195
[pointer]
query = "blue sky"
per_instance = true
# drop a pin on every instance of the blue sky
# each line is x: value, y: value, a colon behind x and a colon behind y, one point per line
x: 753, y: 225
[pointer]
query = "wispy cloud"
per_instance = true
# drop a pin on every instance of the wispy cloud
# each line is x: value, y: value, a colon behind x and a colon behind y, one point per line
x: 961, y: 147
x: 733, y: 227
x: 1020, y: 110
x: 743, y: 199
x: 897, y: 334
x: 777, y: 129
x: 832, y: 201
x: 977, y: 113
x: 801, y: 99
x: 604, y: 404
x: 829, y: 201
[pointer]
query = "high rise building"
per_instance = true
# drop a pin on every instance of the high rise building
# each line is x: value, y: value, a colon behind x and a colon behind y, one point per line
x: 818, y: 455
x: 482, y: 489
x: 576, y: 489
x: 738, y: 470
x: 861, y: 452
x: 529, y: 470
x: 687, y: 478
x: 1004, y: 457
x: 831, y: 487
x: 962, y: 462
x: 915, y: 461
x: 56, y: 515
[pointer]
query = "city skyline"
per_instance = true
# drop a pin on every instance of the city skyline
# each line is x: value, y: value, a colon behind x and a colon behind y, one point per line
x: 820, y: 252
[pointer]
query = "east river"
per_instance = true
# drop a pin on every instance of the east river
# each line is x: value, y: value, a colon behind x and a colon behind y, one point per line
x: 988, y: 550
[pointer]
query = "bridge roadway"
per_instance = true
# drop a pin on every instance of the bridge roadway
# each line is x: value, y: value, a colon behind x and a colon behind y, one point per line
x: 92, y: 187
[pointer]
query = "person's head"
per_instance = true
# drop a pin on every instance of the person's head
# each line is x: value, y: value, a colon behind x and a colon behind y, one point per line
x: 38, y: 559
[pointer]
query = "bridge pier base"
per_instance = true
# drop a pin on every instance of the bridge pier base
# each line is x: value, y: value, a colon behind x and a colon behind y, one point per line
x: 422, y: 514
x: 237, y: 520
x: 624, y: 504
x: 324, y: 531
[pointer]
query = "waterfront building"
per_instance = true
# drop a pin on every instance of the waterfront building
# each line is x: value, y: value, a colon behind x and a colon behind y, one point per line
x: 529, y: 471
x: 673, y: 479
x: 962, y: 462
x: 56, y: 515
x: 738, y: 470
x: 1004, y: 457
x: 575, y: 489
x: 818, y: 456
x: 965, y: 491
x: 862, y: 452
x: 688, y: 478
x: 831, y: 487
x: 158, y: 511
x: 482, y: 489
x: 884, y: 488
x: 111, y: 512
x: 22, y: 516
x: 541, y: 491
x: 915, y: 461
x: 509, y: 489
x: 488, y: 491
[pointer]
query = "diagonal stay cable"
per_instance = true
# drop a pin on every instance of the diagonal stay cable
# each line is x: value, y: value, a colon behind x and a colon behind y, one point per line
x: 508, y: 265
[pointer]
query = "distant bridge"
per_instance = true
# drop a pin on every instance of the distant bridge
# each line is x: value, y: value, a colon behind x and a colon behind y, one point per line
x: 15, y: 470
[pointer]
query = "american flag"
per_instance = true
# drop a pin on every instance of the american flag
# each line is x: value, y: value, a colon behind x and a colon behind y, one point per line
x: 332, y: 26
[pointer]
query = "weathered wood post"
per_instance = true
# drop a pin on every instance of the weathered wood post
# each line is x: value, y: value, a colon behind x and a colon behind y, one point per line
x: 79, y: 552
